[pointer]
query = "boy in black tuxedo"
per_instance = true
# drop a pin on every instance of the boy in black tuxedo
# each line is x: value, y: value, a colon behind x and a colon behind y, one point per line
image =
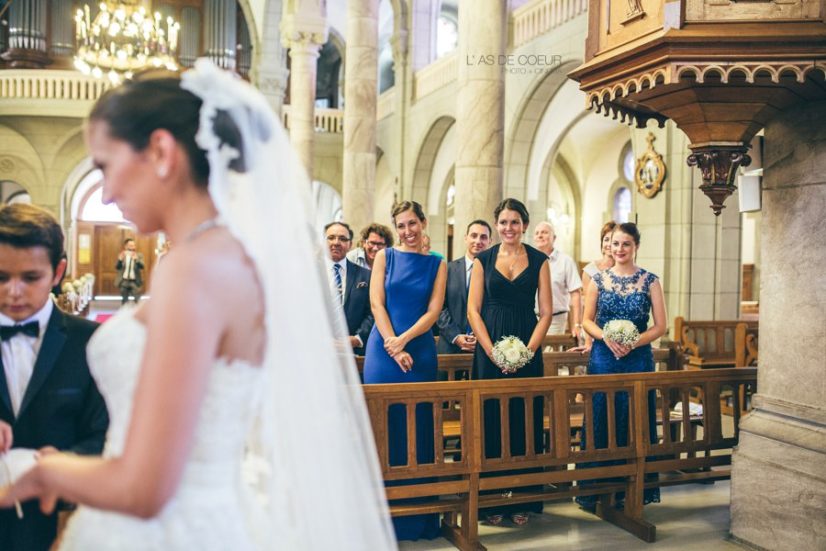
x: 47, y: 395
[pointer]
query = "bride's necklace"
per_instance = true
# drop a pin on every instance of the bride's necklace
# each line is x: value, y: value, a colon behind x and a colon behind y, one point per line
x: 207, y: 224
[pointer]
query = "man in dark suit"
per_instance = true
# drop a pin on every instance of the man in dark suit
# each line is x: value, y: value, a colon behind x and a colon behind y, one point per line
x: 129, y: 276
x: 351, y: 283
x: 46, y: 392
x: 454, y: 331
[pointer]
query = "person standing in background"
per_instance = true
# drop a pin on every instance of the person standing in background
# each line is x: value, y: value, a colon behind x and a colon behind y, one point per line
x: 374, y: 238
x: 566, y: 285
x: 455, y: 335
x: 129, y: 278
x: 351, y: 284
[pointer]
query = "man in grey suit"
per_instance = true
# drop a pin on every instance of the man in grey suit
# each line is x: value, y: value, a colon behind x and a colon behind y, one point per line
x: 129, y: 278
x: 454, y: 332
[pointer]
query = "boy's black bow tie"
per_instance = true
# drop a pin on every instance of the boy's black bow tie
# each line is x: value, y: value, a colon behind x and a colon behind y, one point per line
x: 31, y: 329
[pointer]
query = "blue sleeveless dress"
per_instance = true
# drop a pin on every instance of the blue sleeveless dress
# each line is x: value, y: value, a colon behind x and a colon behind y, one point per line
x: 621, y: 298
x: 408, y: 284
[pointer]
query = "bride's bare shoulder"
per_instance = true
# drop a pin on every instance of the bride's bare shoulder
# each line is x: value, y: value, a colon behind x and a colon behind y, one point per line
x: 215, y: 262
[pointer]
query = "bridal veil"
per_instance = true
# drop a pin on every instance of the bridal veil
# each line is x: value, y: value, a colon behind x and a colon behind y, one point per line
x: 323, y: 486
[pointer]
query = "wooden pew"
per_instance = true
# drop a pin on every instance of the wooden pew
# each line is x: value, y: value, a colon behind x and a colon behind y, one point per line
x: 455, y: 483
x: 708, y: 344
x: 746, y: 345
x: 558, y: 343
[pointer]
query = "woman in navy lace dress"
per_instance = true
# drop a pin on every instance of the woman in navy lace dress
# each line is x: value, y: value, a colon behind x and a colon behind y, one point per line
x: 622, y: 292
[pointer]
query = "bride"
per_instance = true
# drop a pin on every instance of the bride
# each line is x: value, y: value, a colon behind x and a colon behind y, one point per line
x: 236, y: 421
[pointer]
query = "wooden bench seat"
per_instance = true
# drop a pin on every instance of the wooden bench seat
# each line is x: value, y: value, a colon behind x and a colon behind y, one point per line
x: 455, y: 482
x: 709, y: 344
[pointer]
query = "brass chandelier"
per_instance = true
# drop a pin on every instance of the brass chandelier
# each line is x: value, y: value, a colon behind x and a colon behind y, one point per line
x: 123, y: 38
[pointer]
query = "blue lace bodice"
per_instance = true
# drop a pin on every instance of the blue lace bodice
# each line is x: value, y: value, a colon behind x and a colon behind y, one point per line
x: 624, y: 298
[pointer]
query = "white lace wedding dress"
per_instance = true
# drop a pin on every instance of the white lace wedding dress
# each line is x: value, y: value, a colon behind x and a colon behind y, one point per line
x: 212, y: 508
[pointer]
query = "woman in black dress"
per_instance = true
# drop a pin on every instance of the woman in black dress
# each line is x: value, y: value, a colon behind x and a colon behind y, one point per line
x: 504, y: 284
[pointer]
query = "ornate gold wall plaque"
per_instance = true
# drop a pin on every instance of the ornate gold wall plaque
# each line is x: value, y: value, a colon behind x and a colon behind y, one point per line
x: 649, y: 172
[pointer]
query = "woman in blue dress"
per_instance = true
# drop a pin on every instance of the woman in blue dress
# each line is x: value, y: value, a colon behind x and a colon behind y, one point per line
x: 407, y: 289
x: 504, y: 285
x: 622, y: 292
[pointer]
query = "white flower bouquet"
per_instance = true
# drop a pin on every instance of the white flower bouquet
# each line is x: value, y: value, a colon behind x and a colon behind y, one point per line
x: 510, y: 354
x: 622, y: 332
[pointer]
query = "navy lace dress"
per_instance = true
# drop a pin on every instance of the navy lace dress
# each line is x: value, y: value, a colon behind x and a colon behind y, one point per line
x: 621, y: 298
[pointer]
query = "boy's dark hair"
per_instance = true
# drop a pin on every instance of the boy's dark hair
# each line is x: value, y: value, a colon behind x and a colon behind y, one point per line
x: 23, y: 226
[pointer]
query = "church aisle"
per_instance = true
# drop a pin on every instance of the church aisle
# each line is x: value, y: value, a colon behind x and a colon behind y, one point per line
x: 690, y: 518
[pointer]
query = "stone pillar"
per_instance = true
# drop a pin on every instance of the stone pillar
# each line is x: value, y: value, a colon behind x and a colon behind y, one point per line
x: 27, y: 35
x: 480, y: 121
x: 778, y: 488
x: 220, y: 32
x: 303, y: 31
x: 304, y: 48
x: 360, y: 96
x: 269, y: 71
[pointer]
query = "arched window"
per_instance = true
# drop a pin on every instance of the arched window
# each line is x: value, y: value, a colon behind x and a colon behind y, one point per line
x: 628, y: 163
x: 93, y: 209
x: 447, y: 28
x: 447, y: 36
x: 622, y: 205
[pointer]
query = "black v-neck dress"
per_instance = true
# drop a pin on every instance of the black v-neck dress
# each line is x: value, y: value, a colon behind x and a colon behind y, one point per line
x: 508, y: 309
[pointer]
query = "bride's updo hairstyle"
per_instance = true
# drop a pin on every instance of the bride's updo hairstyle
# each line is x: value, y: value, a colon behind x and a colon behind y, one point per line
x: 629, y: 228
x: 150, y: 102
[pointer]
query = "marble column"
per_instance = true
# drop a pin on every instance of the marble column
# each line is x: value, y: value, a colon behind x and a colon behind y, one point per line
x: 403, y: 100
x: 480, y: 120
x: 304, y: 49
x: 269, y: 69
x: 778, y: 489
x: 360, y: 96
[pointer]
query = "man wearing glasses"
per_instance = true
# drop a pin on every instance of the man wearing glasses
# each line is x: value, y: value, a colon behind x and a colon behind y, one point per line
x: 374, y: 238
x: 351, y: 285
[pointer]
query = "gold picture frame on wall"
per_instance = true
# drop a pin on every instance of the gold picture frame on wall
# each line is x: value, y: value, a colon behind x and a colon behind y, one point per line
x: 649, y: 171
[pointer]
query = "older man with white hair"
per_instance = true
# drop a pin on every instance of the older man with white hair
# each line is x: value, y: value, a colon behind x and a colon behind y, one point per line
x: 565, y: 282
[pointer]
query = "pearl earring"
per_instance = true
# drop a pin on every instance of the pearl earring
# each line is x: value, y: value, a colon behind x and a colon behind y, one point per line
x: 161, y: 172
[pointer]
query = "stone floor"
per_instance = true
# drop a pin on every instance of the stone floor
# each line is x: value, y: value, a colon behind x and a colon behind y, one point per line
x: 690, y: 518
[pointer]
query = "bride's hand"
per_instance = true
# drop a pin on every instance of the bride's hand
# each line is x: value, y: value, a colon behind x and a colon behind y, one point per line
x: 28, y: 486
x: 5, y: 437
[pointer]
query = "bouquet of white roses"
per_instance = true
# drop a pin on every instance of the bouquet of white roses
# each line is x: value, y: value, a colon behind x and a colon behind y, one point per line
x: 621, y: 332
x: 510, y: 354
